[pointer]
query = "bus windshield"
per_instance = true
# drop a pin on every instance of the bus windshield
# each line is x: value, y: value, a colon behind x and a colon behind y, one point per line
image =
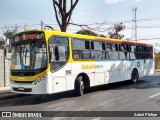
x: 29, y: 56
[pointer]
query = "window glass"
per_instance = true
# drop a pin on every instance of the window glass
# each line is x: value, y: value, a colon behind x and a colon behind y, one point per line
x: 58, y: 40
x: 97, y: 45
x: 109, y: 47
x: 132, y: 55
x: 103, y: 46
x: 110, y: 55
x: 81, y: 49
x: 92, y: 45
x: 78, y: 44
x: 59, y: 52
x: 87, y: 45
x: 149, y: 53
x: 123, y: 51
x: 113, y: 55
x: 77, y: 54
x: 85, y: 54
x: 133, y: 48
x: 115, y: 47
x: 96, y: 55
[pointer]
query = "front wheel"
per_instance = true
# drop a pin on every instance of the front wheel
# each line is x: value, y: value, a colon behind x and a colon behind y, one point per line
x: 79, y: 86
x: 134, y: 76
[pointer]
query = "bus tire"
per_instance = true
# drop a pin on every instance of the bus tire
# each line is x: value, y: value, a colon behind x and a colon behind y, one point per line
x: 79, y: 86
x: 134, y: 76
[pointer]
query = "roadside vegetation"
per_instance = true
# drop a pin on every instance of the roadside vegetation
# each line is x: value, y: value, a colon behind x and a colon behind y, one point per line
x: 157, y: 61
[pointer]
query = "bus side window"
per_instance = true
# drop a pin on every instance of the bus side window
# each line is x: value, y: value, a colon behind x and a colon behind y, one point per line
x: 109, y: 52
x: 133, y: 53
x: 150, y: 52
x: 81, y: 49
x: 104, y: 51
x: 115, y: 51
x: 97, y: 53
x: 122, y: 52
x: 59, y: 52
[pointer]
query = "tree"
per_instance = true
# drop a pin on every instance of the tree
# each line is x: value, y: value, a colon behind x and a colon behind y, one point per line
x: 9, y: 31
x: 2, y: 42
x: 86, y: 32
x: 114, y: 32
x: 62, y: 16
x: 102, y: 36
x: 157, y: 61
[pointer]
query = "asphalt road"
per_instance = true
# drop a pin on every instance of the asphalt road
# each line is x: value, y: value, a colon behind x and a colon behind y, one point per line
x: 124, y: 96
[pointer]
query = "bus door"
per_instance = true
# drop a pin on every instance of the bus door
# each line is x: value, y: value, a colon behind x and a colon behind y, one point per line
x: 98, y: 54
x: 60, y: 68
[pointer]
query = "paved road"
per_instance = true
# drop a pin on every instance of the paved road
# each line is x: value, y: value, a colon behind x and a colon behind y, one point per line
x: 124, y: 96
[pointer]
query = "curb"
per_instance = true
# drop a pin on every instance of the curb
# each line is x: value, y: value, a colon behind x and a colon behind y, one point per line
x: 7, y: 95
x: 5, y: 91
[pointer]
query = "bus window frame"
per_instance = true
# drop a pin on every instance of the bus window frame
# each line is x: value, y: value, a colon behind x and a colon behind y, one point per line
x: 74, y: 39
x: 49, y: 52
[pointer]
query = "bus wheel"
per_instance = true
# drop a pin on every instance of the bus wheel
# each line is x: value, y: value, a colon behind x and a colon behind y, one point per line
x: 134, y: 76
x: 79, y: 86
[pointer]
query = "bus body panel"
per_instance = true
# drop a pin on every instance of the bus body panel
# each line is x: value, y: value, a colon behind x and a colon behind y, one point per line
x: 99, y: 72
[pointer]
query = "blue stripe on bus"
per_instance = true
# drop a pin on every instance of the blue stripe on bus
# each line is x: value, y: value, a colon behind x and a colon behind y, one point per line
x: 112, y: 60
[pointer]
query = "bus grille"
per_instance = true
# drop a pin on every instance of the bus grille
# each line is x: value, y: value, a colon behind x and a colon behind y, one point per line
x: 25, y: 89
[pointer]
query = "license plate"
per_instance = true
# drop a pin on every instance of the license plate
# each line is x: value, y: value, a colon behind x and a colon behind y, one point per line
x: 21, y: 88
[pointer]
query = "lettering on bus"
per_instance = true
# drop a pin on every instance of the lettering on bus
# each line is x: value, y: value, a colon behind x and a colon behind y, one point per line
x: 93, y: 66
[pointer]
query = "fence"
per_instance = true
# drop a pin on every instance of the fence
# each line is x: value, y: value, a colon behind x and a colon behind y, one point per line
x: 6, y: 70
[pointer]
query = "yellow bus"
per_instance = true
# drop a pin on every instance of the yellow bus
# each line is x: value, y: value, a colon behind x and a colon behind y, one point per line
x: 47, y: 62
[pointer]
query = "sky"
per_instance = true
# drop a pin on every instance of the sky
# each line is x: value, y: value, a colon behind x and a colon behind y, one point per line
x: 29, y: 13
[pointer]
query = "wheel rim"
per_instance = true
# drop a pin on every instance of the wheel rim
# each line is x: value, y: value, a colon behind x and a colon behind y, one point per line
x: 82, y: 85
x: 135, y: 77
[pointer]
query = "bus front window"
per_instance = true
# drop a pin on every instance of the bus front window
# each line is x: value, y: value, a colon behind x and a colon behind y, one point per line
x: 29, y: 56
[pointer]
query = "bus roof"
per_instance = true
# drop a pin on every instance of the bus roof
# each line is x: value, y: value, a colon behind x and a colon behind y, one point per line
x: 111, y: 40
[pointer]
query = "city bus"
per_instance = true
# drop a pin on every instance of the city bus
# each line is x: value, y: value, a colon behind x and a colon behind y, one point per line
x: 47, y: 62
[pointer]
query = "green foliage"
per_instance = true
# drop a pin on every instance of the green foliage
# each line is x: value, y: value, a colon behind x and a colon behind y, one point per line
x: 9, y: 31
x: 102, y: 36
x: 2, y: 42
x: 86, y: 32
x: 157, y: 61
x: 115, y: 31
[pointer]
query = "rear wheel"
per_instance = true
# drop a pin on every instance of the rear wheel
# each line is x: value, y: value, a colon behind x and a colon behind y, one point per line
x: 79, y: 86
x: 134, y: 76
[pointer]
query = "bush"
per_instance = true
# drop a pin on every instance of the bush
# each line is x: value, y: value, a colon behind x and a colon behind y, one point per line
x: 157, y: 61
x: 2, y: 44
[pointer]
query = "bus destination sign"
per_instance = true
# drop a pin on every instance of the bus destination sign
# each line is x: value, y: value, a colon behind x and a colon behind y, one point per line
x: 28, y: 36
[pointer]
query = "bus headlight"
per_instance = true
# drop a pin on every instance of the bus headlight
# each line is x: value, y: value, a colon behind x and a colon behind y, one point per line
x: 39, y: 80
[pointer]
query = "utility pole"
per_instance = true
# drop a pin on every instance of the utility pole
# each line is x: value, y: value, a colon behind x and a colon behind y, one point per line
x: 134, y: 24
x: 42, y: 25
x: 4, y: 55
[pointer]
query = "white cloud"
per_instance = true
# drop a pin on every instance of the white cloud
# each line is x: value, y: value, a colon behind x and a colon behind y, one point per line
x: 138, y: 0
x: 118, y: 1
x: 113, y: 1
x: 81, y: 13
